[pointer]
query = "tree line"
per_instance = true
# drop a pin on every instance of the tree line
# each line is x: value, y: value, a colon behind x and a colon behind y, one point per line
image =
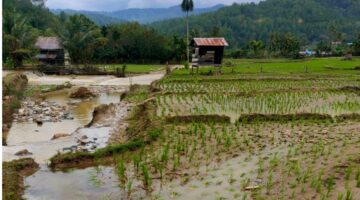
x: 88, y: 43
x: 310, y: 21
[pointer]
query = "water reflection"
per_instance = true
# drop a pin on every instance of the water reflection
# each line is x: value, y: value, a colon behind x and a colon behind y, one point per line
x: 91, y: 183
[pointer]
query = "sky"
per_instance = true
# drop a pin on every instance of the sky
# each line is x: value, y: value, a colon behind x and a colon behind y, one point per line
x: 112, y: 5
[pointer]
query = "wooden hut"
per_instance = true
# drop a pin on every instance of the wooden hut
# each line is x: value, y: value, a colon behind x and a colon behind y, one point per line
x: 51, y: 51
x: 208, y: 51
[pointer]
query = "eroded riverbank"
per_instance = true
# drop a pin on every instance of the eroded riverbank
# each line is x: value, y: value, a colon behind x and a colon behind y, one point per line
x: 38, y: 139
x: 30, y: 138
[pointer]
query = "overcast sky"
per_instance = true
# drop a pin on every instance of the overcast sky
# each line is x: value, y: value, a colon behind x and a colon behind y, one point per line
x: 111, y: 5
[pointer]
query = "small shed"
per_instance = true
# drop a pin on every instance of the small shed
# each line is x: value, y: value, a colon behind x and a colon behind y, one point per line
x: 51, y: 51
x: 208, y: 51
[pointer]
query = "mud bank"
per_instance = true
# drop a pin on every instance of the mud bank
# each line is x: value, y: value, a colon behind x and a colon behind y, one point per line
x: 13, y: 89
x: 13, y: 177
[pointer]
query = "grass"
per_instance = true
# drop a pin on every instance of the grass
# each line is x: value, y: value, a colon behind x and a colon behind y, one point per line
x: 38, y: 89
x: 323, y: 65
x: 62, y: 161
x: 332, y: 66
x: 14, y: 85
x: 13, y: 173
x: 132, y: 68
x: 136, y: 93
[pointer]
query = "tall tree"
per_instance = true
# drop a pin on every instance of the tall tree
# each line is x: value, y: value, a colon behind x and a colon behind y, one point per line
x: 356, y: 46
x: 187, y: 6
x: 81, y: 37
x: 256, y: 46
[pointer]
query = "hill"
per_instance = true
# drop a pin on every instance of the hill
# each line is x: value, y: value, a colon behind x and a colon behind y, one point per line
x: 142, y: 16
x: 310, y: 20
x: 157, y: 14
x: 97, y: 17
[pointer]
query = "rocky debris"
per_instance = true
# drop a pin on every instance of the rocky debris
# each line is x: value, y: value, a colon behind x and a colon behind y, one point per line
x: 84, y: 144
x: 23, y: 152
x: 83, y: 93
x: 43, y: 111
x: 59, y: 135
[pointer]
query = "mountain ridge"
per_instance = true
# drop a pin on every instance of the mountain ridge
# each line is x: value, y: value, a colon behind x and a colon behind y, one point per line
x: 141, y: 15
x: 309, y: 20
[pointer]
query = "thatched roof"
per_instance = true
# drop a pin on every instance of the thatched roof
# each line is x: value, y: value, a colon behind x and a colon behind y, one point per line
x: 50, y: 43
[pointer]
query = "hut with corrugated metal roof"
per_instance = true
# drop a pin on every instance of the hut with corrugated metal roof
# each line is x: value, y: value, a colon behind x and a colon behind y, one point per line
x: 208, y: 51
x: 51, y: 51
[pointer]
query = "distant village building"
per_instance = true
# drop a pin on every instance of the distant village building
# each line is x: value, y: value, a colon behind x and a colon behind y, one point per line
x: 208, y: 51
x: 307, y: 52
x: 336, y: 43
x: 51, y: 51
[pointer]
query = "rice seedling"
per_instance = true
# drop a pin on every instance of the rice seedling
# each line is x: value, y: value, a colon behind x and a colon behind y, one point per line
x: 121, y: 170
x: 348, y: 172
x: 146, y: 176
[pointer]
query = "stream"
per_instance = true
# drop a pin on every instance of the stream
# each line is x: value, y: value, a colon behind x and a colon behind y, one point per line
x: 90, y: 183
x: 37, y: 139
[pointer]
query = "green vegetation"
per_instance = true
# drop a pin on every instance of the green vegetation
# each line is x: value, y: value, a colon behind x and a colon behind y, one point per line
x: 86, y: 42
x: 130, y: 68
x: 89, y: 44
x: 187, y: 6
x: 23, y: 22
x: 311, y: 21
x: 14, y: 86
x: 13, y: 173
x: 302, y: 123
x: 32, y: 91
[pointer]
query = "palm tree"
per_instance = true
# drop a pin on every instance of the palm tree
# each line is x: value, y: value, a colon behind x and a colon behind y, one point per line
x: 187, y: 6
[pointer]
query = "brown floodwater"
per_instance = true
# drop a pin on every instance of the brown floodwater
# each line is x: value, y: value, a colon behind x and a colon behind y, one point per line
x: 91, y: 183
x: 82, y: 111
x: 37, y: 139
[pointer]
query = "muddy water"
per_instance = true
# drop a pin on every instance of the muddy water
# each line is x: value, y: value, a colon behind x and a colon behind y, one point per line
x: 91, y: 183
x: 82, y: 111
x: 37, y: 139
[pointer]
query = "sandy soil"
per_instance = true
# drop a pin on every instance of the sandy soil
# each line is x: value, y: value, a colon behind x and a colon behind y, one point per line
x: 38, y: 79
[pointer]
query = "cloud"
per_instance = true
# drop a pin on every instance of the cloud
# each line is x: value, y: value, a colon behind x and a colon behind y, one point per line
x: 111, y: 5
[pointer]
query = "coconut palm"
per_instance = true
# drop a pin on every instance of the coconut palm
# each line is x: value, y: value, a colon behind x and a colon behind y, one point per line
x: 187, y: 6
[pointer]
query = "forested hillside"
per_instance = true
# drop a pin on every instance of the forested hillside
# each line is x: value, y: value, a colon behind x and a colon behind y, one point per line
x: 273, y: 28
x: 149, y: 15
x: 310, y: 20
x: 142, y: 16
x: 97, y: 17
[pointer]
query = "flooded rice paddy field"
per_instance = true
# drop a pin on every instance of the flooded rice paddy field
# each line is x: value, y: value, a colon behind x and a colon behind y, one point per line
x: 300, y: 159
